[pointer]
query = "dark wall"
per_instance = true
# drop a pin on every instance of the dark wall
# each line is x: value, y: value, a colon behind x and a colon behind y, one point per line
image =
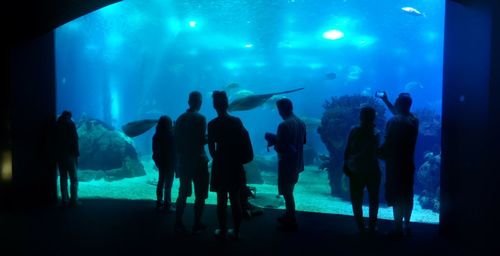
x: 494, y: 124
x: 27, y: 94
x: 469, y: 113
x: 33, y: 114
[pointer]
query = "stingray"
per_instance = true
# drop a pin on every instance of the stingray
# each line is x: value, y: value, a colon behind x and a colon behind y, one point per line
x: 136, y: 128
x: 267, y: 200
x: 253, y: 101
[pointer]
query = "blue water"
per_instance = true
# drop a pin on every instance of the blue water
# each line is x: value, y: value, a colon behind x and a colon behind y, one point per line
x: 146, y: 56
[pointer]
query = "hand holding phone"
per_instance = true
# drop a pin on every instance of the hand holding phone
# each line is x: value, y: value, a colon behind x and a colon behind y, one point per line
x: 380, y: 94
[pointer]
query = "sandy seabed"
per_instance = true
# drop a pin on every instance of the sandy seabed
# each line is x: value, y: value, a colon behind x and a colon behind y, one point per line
x: 312, y: 193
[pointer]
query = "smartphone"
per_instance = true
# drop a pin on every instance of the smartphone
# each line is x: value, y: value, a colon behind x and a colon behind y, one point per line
x: 379, y: 94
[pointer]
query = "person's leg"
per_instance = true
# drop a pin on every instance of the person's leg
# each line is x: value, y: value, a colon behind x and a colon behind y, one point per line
x: 201, y: 183
x: 160, y: 185
x: 356, y: 190
x: 289, y: 203
x: 184, y: 193
x: 169, y: 180
x: 373, y: 186
x: 408, y: 203
x: 407, y: 211
x: 235, y: 198
x: 63, y: 180
x: 74, y: 180
x: 221, y: 211
x: 398, y: 216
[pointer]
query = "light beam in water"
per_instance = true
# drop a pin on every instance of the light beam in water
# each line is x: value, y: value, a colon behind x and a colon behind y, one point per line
x: 333, y: 34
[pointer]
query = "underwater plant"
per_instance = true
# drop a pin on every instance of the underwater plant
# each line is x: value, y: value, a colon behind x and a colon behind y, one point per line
x: 429, y: 137
x: 341, y: 114
x: 428, y: 183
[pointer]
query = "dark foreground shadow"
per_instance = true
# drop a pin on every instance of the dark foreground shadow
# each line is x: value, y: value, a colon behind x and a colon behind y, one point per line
x: 128, y: 227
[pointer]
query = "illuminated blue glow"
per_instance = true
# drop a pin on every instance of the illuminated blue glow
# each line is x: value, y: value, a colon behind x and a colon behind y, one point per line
x: 231, y: 65
x: 333, y: 34
x: 192, y: 23
x: 115, y: 105
x: 315, y: 65
x: 115, y: 40
x: 364, y: 41
x: 248, y: 45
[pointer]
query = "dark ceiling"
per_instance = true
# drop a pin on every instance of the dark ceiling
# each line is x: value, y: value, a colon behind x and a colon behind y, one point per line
x: 22, y: 20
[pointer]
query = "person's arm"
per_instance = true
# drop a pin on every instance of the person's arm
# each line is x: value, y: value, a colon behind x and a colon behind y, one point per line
x: 305, y: 133
x: 281, y: 139
x: 211, y: 141
x: 389, y: 105
x: 203, y: 138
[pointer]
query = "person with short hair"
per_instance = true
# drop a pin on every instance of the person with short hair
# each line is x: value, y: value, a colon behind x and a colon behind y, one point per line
x: 190, y: 140
x: 398, y: 152
x: 362, y: 167
x: 289, y: 144
x: 225, y: 142
x: 67, y: 153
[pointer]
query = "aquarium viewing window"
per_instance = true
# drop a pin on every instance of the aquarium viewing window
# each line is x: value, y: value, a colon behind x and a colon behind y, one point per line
x: 137, y: 60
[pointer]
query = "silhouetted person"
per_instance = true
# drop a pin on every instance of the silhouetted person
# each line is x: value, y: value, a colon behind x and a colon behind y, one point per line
x: 362, y: 167
x: 398, y: 152
x: 228, y: 176
x: 190, y: 138
x: 67, y: 153
x: 165, y: 160
x: 289, y: 144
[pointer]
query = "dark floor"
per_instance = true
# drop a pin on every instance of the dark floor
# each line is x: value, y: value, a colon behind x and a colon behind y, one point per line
x: 120, y: 227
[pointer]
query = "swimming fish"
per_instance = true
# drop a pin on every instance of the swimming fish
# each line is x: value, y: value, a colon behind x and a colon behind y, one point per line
x: 231, y: 86
x: 253, y: 101
x: 413, y: 86
x: 354, y: 72
x: 412, y: 11
x: 136, y: 128
x: 331, y: 76
x: 312, y: 123
x: 268, y: 200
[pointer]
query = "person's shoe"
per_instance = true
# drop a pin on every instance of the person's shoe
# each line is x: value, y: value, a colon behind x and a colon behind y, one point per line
x: 233, y: 235
x: 220, y: 234
x: 407, y: 231
x: 372, y: 231
x: 283, y: 219
x: 180, y: 229
x: 169, y: 207
x: 288, y: 227
x: 64, y: 204
x: 198, y: 228
x: 74, y: 203
x: 396, y: 234
x: 159, y: 205
x: 246, y: 214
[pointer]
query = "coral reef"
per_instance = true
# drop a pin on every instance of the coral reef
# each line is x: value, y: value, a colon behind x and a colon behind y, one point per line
x: 427, y: 183
x: 310, y: 155
x: 342, y: 113
x: 429, y: 137
x: 106, y: 153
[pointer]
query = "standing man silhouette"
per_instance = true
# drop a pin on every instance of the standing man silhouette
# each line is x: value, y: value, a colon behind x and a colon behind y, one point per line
x: 190, y: 139
x: 67, y: 153
x: 398, y: 152
x: 289, y: 144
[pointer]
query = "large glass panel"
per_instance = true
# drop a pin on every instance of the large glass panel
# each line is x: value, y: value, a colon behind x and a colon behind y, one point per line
x: 137, y: 60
